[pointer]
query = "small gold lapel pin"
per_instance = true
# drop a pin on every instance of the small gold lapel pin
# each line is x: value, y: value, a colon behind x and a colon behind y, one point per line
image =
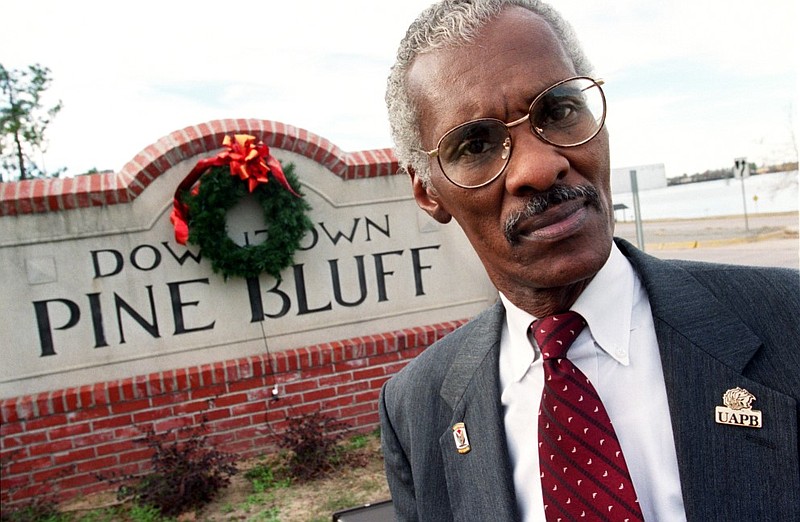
x: 460, y: 436
x: 737, y: 410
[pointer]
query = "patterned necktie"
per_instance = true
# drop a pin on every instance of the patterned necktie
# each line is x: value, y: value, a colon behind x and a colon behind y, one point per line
x: 583, y: 471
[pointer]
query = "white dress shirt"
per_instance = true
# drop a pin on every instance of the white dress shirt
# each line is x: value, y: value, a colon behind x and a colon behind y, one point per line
x: 618, y: 352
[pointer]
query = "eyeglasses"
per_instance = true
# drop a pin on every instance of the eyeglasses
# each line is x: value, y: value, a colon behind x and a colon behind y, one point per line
x: 567, y: 114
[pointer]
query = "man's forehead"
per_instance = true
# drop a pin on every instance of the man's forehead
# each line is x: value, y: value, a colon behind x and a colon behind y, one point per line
x: 440, y: 77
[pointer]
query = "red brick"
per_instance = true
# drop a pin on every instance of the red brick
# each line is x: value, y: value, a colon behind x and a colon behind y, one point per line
x: 348, y: 365
x: 50, y: 447
x: 369, y: 419
x: 69, y: 431
x: 96, y: 464
x: 212, y: 415
x: 208, y: 391
x: 297, y: 387
x: 130, y: 406
x: 320, y: 394
x: 230, y: 424
x: 246, y: 384
x: 358, y: 409
x: 170, y: 398
x: 143, y: 454
x: 220, y: 439
x: 89, y: 414
x: 16, y: 467
x: 15, y: 447
x: 24, y: 439
x: 171, y: 424
x: 337, y: 402
x: 368, y: 373
x: 93, y: 438
x: 10, y: 428
x: 33, y: 491
x: 190, y: 407
x: 45, y: 422
x: 248, y: 409
x: 333, y: 380
x: 181, y: 379
x: 8, y: 407
x: 132, y: 432
x: 152, y: 415
x: 13, y: 483
x: 352, y: 387
x: 370, y: 396
x: 75, y: 481
x: 112, y: 422
x: 392, y: 369
x: 379, y: 382
x: 117, y: 447
x: 230, y: 400
x: 74, y: 456
x: 194, y: 379
x: 238, y: 447
x: 384, y: 359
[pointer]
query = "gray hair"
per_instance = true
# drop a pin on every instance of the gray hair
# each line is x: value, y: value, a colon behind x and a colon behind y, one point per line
x: 447, y: 24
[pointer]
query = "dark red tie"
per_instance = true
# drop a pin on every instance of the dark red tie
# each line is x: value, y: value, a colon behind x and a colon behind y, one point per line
x: 583, y: 471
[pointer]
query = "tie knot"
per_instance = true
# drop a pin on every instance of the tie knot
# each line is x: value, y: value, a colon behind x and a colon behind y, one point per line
x: 554, y: 334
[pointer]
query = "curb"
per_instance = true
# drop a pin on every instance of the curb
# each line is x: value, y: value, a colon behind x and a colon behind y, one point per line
x: 711, y: 243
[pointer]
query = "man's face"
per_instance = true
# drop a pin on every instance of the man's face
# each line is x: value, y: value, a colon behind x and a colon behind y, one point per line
x: 514, y: 58
x: 497, y: 75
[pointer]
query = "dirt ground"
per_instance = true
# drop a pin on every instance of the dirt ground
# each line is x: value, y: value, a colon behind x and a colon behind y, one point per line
x: 315, y: 501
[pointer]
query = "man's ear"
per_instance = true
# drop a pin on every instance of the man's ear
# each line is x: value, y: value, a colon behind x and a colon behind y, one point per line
x: 428, y: 199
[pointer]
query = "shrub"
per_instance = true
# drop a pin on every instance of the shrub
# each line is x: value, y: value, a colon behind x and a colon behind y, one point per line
x: 313, y: 441
x: 186, y: 474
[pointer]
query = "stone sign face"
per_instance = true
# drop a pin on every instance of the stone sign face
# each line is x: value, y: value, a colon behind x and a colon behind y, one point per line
x: 104, y: 291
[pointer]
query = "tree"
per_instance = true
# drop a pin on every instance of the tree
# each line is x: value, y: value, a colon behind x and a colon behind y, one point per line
x: 23, y: 119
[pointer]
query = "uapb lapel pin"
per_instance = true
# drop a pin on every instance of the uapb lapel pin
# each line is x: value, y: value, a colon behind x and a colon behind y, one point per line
x: 737, y: 410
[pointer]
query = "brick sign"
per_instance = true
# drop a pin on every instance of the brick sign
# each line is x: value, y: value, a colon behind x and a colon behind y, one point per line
x: 97, y: 288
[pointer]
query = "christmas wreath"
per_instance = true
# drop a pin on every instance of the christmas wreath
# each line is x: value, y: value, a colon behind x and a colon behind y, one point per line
x: 215, y: 185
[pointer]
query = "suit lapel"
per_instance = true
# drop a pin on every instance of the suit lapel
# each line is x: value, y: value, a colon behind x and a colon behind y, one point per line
x: 725, y: 470
x: 479, y: 482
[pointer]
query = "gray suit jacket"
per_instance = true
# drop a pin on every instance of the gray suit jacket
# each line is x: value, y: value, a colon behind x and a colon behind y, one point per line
x: 718, y: 327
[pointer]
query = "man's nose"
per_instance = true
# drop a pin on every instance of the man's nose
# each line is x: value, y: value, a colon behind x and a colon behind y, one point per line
x: 535, y: 165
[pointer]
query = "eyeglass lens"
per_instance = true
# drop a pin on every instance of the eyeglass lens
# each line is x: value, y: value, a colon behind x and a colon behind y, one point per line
x: 566, y: 115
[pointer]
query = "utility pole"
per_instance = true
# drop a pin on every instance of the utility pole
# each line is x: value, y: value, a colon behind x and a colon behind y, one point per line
x: 741, y: 170
x: 637, y: 212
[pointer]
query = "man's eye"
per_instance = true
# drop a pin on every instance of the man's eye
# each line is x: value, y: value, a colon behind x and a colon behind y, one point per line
x: 560, y: 112
x: 473, y: 147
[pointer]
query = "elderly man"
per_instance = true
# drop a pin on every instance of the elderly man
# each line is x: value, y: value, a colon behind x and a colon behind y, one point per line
x: 678, y: 397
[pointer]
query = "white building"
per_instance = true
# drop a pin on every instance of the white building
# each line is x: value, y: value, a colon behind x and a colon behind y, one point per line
x: 647, y: 177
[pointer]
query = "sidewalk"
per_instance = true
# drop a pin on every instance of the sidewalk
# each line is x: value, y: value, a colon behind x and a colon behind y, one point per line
x: 772, y: 239
x: 711, y: 232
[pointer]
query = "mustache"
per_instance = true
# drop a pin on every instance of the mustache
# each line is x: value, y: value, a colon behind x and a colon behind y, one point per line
x: 539, y: 203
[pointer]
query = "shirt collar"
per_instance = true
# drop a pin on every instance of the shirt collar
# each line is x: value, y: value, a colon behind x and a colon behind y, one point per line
x: 522, y: 352
x: 606, y: 304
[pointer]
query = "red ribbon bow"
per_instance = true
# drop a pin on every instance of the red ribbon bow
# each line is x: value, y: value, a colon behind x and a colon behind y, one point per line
x: 248, y: 159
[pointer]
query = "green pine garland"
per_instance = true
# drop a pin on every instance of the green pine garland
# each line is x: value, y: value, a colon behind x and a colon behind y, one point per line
x: 284, y: 215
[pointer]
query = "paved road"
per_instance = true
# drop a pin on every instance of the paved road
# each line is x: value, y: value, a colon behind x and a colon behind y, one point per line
x: 770, y: 239
x: 772, y: 252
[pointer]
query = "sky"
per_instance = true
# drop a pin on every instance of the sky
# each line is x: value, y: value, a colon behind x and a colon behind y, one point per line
x: 691, y: 84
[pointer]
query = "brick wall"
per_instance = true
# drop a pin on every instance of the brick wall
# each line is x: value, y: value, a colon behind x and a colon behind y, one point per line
x: 56, y: 442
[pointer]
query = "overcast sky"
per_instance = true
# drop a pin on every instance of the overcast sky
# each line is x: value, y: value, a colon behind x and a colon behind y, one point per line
x: 690, y: 83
